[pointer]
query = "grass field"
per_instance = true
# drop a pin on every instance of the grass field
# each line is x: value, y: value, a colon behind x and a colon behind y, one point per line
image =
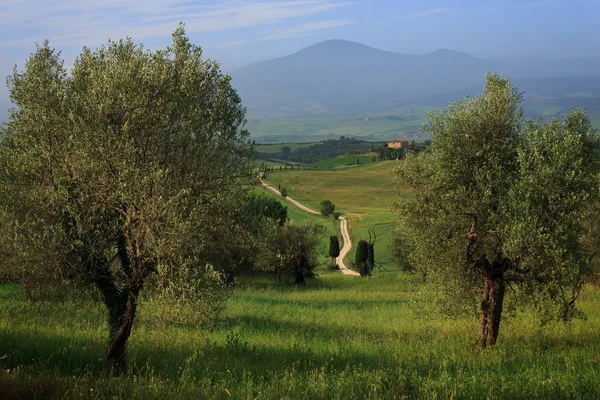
x: 404, y: 123
x: 338, y: 338
x: 341, y: 161
x: 364, y: 193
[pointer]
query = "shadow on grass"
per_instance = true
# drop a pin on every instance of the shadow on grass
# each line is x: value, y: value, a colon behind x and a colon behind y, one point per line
x: 53, y: 361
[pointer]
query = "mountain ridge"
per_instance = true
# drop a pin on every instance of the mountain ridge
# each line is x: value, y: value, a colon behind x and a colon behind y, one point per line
x: 341, y: 76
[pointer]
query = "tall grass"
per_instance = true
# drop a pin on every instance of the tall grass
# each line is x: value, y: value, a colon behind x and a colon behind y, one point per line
x: 339, y: 337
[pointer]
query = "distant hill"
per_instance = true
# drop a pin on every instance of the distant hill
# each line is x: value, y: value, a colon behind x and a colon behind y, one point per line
x: 542, y: 97
x: 338, y: 76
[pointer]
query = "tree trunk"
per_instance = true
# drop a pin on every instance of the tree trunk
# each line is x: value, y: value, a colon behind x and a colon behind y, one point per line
x: 491, y: 304
x: 299, y: 276
x: 230, y: 280
x: 121, y: 330
x: 121, y: 305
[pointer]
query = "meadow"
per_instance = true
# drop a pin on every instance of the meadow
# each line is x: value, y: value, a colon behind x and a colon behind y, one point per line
x: 341, y: 337
x: 342, y: 161
x: 403, y: 123
x: 364, y: 193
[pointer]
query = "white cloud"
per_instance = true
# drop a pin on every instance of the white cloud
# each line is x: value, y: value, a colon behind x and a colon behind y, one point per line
x: 422, y: 14
x: 92, y: 22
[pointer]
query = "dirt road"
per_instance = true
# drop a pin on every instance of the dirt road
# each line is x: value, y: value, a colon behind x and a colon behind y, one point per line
x: 343, y: 227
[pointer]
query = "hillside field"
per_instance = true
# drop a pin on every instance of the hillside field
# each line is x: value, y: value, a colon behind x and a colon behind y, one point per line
x: 364, y: 193
x: 342, y: 161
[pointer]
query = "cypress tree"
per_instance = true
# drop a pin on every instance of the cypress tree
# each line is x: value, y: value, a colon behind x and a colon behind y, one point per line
x: 334, y: 249
x: 362, y: 253
x: 371, y: 257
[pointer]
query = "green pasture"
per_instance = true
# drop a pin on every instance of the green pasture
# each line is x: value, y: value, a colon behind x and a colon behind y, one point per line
x: 340, y: 337
x: 342, y: 161
x: 364, y: 193
x: 404, y: 123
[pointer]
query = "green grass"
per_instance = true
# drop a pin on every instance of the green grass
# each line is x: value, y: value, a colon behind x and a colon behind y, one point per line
x: 340, y: 338
x: 379, y: 126
x: 363, y: 193
x: 342, y: 161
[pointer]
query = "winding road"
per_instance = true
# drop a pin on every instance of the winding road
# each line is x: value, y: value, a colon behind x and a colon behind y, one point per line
x: 343, y: 227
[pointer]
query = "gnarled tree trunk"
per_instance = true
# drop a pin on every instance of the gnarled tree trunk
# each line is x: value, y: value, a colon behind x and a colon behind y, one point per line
x: 121, y: 330
x: 491, y: 303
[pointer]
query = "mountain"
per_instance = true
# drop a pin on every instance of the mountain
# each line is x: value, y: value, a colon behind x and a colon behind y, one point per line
x: 339, y: 76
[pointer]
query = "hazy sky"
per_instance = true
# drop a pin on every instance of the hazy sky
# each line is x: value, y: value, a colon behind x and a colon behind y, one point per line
x: 239, y: 32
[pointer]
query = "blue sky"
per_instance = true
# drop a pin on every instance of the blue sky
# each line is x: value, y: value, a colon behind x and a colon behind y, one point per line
x: 240, y: 32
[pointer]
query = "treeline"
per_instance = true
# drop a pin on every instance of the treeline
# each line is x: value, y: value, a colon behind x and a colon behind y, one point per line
x: 321, y: 151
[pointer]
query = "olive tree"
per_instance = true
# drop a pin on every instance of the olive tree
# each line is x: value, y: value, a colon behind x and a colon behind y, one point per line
x: 119, y: 176
x: 291, y: 248
x: 498, y: 204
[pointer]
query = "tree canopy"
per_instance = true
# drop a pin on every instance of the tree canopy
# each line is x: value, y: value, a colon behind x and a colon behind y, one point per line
x: 120, y: 176
x: 292, y: 248
x: 327, y: 207
x: 499, y: 203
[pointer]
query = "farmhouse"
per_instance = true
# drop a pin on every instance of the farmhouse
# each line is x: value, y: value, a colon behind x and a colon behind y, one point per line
x: 398, y: 144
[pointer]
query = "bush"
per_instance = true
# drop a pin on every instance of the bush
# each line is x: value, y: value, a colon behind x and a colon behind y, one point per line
x: 283, y: 192
x: 327, y: 207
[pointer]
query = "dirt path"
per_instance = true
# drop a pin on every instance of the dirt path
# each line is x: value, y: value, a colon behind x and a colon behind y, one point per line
x: 343, y: 227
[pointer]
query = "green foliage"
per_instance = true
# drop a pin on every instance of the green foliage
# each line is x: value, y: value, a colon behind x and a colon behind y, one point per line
x: 292, y: 249
x: 334, y: 249
x: 361, y: 258
x: 283, y: 192
x: 261, y: 205
x: 370, y: 257
x: 498, y: 202
x: 327, y: 207
x: 131, y: 166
